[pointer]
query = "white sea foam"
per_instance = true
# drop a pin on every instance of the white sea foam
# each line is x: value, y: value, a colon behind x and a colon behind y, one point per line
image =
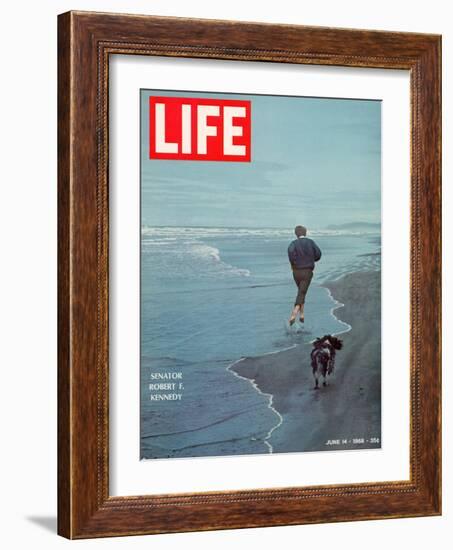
x: 270, y: 404
x: 189, y: 253
x: 337, y: 305
x: 212, y: 254
x: 201, y: 232
x: 205, y: 251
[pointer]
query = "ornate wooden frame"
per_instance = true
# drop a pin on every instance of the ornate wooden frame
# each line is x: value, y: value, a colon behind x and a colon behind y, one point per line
x: 85, y: 41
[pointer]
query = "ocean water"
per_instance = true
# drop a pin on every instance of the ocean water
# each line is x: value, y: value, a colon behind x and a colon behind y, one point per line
x: 210, y: 296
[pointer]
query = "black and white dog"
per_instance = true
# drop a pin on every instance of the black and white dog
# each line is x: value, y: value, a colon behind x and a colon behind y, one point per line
x: 323, y: 357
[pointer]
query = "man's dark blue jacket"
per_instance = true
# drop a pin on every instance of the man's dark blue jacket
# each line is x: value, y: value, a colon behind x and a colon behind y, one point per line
x: 303, y: 253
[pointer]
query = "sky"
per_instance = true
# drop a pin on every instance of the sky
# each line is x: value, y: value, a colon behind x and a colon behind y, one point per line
x: 315, y: 162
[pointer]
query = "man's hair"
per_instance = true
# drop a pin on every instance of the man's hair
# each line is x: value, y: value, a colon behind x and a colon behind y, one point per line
x: 300, y: 231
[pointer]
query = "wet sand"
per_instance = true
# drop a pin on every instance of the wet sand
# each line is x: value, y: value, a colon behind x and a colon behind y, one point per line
x: 350, y: 406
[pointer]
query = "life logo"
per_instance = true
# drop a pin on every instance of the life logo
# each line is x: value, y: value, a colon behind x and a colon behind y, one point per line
x: 183, y: 128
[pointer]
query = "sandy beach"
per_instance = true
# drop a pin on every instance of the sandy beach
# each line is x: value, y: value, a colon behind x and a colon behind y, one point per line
x: 347, y: 413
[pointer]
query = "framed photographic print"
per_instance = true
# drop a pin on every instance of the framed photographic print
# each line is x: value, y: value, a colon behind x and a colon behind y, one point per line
x: 249, y: 275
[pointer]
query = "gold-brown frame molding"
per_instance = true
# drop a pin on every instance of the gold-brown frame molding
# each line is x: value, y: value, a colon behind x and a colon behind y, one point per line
x: 85, y: 42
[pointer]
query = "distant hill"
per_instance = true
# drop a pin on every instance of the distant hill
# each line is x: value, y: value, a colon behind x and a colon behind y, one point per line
x: 356, y: 226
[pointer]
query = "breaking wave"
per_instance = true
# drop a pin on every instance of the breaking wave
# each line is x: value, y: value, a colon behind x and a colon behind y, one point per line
x: 201, y: 232
x: 211, y: 254
x: 188, y: 255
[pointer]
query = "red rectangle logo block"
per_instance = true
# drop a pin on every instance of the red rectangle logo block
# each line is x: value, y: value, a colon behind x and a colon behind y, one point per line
x: 187, y: 128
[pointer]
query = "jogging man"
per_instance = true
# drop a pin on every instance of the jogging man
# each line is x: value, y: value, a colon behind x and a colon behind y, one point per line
x: 302, y: 254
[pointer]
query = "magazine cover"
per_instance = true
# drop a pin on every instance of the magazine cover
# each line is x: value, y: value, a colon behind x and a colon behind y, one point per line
x: 260, y: 274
